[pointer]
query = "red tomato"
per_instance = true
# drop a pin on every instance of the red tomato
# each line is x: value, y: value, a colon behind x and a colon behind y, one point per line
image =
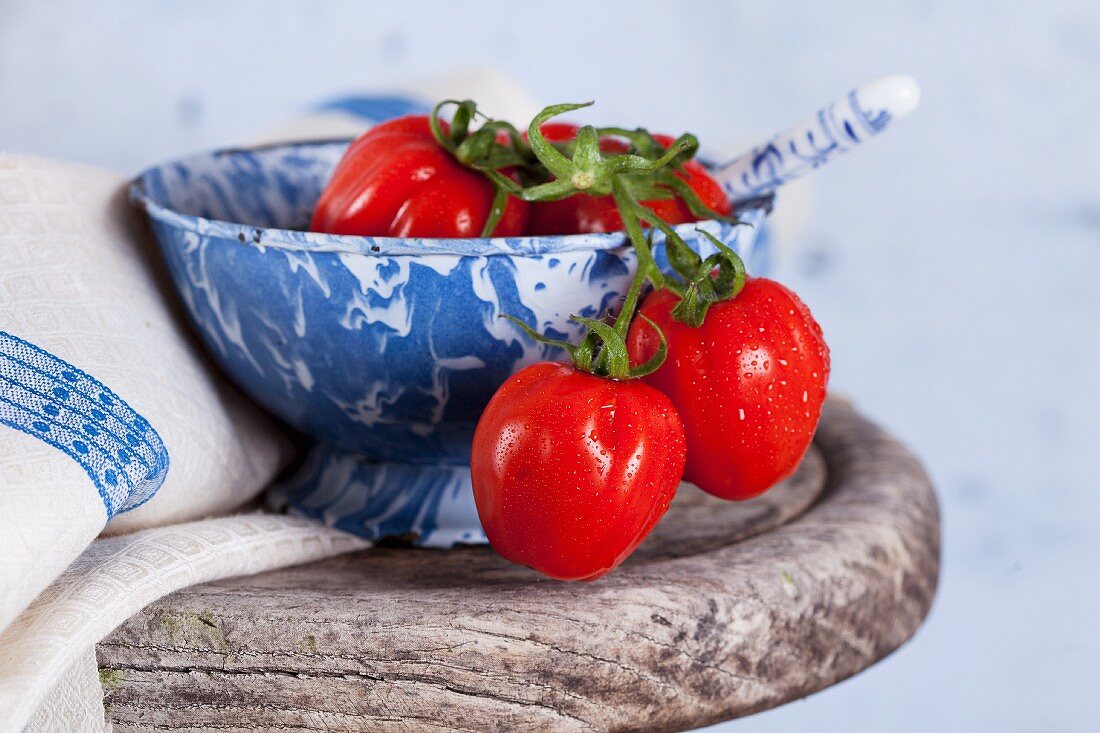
x: 748, y: 384
x: 572, y: 471
x: 584, y: 213
x: 395, y: 180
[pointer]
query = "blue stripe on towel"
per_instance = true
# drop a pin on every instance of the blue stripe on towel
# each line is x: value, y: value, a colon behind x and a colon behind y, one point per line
x: 49, y: 398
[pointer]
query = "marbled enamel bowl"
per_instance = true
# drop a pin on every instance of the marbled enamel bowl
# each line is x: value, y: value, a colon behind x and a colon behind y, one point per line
x: 383, y: 350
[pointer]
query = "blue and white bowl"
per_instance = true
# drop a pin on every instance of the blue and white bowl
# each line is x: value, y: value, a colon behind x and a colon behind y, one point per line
x: 383, y: 350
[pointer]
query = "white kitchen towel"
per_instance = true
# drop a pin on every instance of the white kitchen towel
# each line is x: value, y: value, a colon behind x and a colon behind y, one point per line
x: 75, y: 703
x: 108, y: 412
x: 40, y: 652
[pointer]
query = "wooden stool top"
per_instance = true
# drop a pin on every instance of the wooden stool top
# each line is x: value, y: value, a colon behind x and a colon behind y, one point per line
x: 727, y: 609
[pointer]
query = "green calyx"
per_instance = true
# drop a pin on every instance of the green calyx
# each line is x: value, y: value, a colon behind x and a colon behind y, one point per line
x: 541, y: 170
x: 719, y: 277
x: 589, y: 170
x: 483, y: 151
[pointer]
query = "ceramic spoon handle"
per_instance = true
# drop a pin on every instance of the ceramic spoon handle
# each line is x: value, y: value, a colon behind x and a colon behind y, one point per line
x: 845, y: 124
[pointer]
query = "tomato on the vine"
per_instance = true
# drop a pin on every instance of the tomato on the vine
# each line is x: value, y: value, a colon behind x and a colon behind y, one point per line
x: 396, y: 180
x: 571, y: 471
x: 748, y: 383
x: 584, y: 213
x: 720, y: 381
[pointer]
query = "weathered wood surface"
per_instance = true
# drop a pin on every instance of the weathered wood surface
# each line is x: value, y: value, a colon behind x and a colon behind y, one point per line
x: 713, y: 618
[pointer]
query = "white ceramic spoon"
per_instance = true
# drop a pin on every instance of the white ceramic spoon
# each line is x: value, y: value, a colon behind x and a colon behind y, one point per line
x: 865, y: 112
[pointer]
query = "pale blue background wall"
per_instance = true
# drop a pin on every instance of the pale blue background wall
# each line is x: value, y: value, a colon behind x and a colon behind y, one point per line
x: 953, y: 264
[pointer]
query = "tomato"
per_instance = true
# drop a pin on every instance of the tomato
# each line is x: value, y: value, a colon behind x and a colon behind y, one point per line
x: 395, y: 180
x: 748, y: 383
x: 584, y: 213
x: 571, y: 471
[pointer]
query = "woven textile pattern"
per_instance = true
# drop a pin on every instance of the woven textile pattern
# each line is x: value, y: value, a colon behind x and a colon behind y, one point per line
x: 47, y: 397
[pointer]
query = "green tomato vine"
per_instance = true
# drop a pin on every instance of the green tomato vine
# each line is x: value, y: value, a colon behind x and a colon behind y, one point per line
x: 541, y: 170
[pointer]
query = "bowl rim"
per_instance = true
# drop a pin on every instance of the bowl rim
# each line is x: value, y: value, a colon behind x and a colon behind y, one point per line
x: 752, y: 213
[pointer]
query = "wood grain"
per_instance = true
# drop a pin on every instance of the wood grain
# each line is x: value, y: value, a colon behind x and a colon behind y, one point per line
x: 727, y: 609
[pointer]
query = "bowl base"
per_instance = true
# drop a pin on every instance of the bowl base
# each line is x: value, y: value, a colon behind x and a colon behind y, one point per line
x: 431, y: 505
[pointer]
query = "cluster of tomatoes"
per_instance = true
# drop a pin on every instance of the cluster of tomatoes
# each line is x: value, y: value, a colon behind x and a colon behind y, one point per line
x: 573, y: 464
x: 396, y: 180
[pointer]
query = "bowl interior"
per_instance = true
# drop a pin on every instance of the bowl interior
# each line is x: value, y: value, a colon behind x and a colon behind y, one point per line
x: 266, y: 195
x: 269, y: 187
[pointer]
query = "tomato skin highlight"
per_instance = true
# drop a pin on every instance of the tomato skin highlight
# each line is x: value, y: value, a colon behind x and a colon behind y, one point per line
x: 598, y: 214
x: 395, y: 180
x: 572, y: 471
x: 749, y: 384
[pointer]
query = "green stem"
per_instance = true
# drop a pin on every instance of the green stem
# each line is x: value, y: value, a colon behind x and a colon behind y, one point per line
x: 682, y: 258
x: 609, y: 359
x: 496, y: 211
x: 626, y: 206
x: 654, y: 363
x: 695, y: 204
x: 731, y: 268
x: 613, y: 360
x: 556, y: 190
x: 548, y: 155
x: 437, y: 126
x: 568, y: 347
x: 636, y: 164
x: 643, y: 142
x: 630, y: 303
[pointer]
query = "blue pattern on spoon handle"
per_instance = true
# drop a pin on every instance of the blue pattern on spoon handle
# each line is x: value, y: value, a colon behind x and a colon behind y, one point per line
x: 846, y: 123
